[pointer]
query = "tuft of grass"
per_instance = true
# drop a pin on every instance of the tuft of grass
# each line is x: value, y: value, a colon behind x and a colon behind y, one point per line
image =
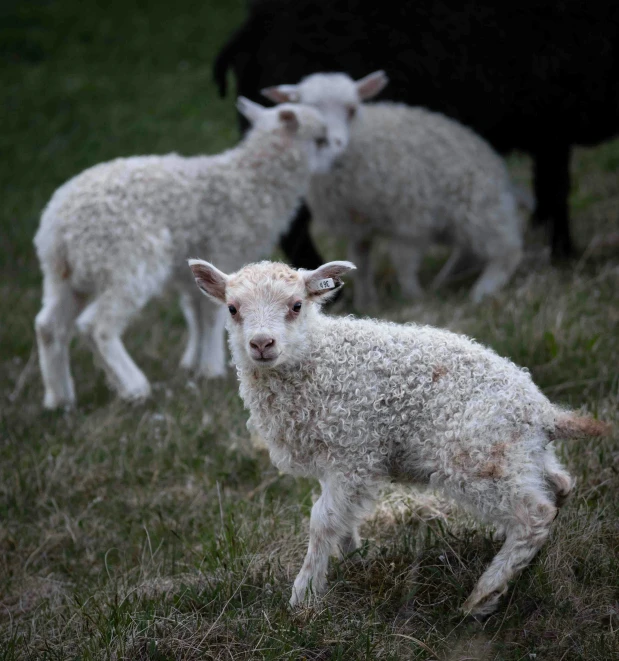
x: 157, y: 531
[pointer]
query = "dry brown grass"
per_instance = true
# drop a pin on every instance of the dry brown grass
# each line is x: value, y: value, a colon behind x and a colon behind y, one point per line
x: 159, y: 532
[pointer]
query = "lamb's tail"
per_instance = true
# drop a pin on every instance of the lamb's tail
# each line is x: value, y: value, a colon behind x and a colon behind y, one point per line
x: 570, y: 425
x: 50, y: 242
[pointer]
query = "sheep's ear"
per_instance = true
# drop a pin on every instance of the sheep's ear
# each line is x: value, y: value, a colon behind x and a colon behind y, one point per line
x: 323, y: 282
x: 249, y: 109
x: 210, y: 281
x: 288, y: 117
x: 369, y: 86
x: 282, y: 93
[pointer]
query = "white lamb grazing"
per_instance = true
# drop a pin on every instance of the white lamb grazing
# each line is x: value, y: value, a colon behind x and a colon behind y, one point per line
x: 355, y: 403
x: 413, y: 177
x: 120, y: 233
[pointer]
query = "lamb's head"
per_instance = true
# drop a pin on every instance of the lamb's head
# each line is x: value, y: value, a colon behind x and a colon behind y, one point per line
x: 336, y: 95
x: 272, y: 307
x: 297, y: 124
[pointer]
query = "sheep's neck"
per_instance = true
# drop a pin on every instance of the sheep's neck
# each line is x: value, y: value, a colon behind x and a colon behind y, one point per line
x: 267, y: 155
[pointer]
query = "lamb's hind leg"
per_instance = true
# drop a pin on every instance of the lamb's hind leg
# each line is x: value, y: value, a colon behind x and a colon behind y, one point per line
x: 360, y: 504
x: 527, y: 528
x: 102, y: 324
x: 54, y: 328
x: 558, y: 478
x: 495, y: 275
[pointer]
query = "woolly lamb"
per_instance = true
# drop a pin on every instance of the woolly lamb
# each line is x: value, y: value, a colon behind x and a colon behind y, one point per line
x: 355, y: 403
x: 534, y: 76
x: 119, y: 233
x: 412, y: 176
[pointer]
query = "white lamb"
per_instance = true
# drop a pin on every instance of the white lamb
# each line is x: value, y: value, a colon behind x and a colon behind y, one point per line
x: 355, y: 403
x: 413, y: 177
x: 120, y: 232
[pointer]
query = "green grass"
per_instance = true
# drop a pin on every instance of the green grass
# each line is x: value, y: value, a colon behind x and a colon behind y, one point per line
x: 157, y: 531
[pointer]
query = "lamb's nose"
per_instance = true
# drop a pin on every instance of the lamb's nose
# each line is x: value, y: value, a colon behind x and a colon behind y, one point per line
x: 261, y: 342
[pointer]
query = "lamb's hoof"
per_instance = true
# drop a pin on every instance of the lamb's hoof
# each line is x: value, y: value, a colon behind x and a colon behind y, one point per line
x: 480, y: 608
x: 469, y: 618
x: 296, y: 601
x: 213, y: 376
x: 211, y: 373
x: 136, y: 395
x: 303, y: 598
x: 53, y: 403
x: 188, y: 365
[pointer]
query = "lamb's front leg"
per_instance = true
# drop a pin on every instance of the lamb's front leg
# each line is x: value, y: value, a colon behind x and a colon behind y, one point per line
x: 213, y: 350
x: 333, y: 522
x: 190, y: 305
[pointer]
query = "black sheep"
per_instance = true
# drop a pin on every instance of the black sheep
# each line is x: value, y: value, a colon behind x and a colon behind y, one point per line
x: 534, y: 75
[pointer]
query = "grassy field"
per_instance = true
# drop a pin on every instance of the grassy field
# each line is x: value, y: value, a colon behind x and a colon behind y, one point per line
x: 156, y: 531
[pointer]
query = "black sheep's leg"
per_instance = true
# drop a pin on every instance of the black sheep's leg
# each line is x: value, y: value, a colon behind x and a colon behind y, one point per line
x: 552, y: 188
x: 298, y: 244
x: 560, y: 237
x: 543, y: 198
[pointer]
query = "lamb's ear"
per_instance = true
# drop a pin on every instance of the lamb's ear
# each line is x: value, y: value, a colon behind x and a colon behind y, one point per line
x: 249, y: 109
x: 323, y: 282
x: 282, y: 93
x: 288, y: 117
x: 369, y: 86
x: 210, y: 281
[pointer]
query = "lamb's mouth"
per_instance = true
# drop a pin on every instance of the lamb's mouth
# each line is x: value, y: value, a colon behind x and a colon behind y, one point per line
x: 266, y: 360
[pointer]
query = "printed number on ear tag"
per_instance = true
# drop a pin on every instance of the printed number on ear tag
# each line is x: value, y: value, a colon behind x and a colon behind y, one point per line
x: 327, y: 283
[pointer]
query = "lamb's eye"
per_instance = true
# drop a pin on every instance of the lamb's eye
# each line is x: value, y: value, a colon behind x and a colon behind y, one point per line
x: 297, y: 307
x: 321, y: 142
x: 232, y: 309
x: 352, y: 111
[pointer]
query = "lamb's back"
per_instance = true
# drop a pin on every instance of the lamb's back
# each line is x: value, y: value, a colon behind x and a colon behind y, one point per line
x: 418, y: 363
x: 407, y: 164
x: 146, y: 209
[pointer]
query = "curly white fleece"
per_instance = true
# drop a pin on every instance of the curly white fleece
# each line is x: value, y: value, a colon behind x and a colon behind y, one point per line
x: 119, y: 233
x: 369, y: 397
x: 355, y: 403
